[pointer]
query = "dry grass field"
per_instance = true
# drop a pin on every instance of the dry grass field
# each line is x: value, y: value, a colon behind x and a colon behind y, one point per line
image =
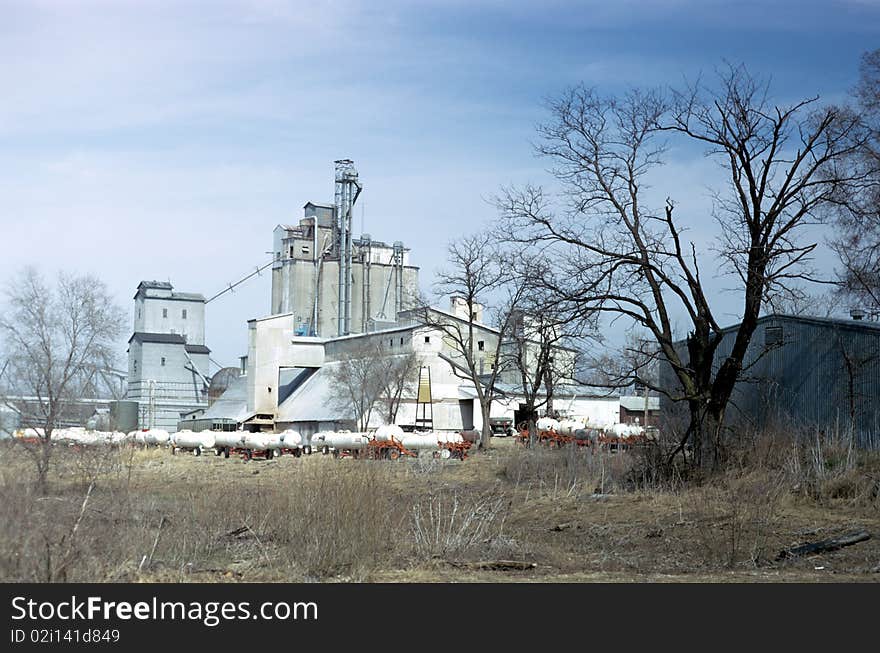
x: 507, y: 514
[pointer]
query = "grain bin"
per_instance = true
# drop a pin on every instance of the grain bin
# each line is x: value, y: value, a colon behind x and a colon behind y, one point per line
x: 123, y: 415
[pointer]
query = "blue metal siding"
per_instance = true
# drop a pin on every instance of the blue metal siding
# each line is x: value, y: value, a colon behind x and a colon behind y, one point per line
x: 806, y: 381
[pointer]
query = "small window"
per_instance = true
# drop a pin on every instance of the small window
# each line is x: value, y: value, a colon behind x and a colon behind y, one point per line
x: 391, y: 342
x: 427, y: 339
x: 139, y: 311
x: 474, y: 316
x: 773, y: 336
x: 164, y: 312
x: 163, y: 361
x: 291, y: 251
x: 401, y: 341
x: 135, y: 366
x: 183, y: 314
x: 305, y: 250
x: 481, y: 345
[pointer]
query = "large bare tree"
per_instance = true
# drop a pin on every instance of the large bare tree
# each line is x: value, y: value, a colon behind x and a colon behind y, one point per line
x: 617, y: 254
x: 55, y: 337
x: 857, y: 241
x: 477, y: 275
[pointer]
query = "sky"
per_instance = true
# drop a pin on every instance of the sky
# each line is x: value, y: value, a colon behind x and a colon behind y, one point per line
x: 165, y: 140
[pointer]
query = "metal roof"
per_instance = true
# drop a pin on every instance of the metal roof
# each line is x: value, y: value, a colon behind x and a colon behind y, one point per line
x: 319, y: 399
x: 232, y: 404
x: 189, y: 296
x: 820, y: 321
x: 197, y: 349
x: 635, y: 402
x: 168, y: 338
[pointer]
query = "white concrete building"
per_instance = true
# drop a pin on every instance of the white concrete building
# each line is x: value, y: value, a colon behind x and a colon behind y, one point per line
x: 167, y: 357
x: 290, y: 380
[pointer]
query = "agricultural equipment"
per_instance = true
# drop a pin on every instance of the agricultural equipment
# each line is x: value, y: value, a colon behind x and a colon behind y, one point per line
x: 391, y: 449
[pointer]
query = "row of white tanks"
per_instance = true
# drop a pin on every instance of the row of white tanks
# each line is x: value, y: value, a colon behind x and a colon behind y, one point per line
x: 224, y: 441
x: 580, y: 430
x: 346, y: 440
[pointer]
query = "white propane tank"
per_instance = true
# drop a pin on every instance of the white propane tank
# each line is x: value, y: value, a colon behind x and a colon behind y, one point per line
x: 228, y: 439
x: 273, y: 441
x: 346, y: 440
x: 118, y: 437
x: 256, y: 441
x: 388, y: 432
x: 569, y: 426
x: 157, y: 437
x: 419, y: 441
x: 187, y: 439
x: 291, y: 439
x: 547, y: 424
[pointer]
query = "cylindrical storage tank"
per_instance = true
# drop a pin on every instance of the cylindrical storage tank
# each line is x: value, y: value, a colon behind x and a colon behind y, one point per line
x: 419, y: 441
x: 569, y: 426
x: 471, y: 435
x: 157, y: 437
x: 118, y: 437
x: 124, y: 415
x: 187, y: 439
x: 88, y: 438
x: 228, y: 439
x: 256, y: 441
x: 346, y: 440
x: 291, y: 439
x: 387, y: 432
x: 63, y: 436
x: 320, y: 437
x: 274, y: 440
x: 547, y: 424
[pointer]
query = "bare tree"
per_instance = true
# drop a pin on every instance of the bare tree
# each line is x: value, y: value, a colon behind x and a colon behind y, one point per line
x: 55, y: 337
x: 535, y: 353
x: 359, y: 377
x: 476, y: 276
x: 857, y: 242
x: 616, y: 255
x: 398, y: 378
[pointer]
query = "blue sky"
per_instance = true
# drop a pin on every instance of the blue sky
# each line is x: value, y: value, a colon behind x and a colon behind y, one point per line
x: 165, y: 140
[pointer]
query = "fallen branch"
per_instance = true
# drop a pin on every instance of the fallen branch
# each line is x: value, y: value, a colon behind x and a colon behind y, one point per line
x: 831, y: 544
x: 496, y: 565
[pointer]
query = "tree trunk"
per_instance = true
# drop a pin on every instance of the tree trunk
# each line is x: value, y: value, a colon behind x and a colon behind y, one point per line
x: 487, y: 428
x: 43, y: 464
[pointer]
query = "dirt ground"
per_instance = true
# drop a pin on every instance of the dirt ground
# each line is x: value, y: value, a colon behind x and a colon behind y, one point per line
x: 507, y: 514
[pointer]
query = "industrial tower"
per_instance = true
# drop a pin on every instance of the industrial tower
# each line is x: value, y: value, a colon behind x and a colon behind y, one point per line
x: 348, y: 188
x: 332, y: 281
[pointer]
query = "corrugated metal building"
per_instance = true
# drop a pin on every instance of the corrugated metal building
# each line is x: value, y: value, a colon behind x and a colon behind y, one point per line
x: 817, y: 373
